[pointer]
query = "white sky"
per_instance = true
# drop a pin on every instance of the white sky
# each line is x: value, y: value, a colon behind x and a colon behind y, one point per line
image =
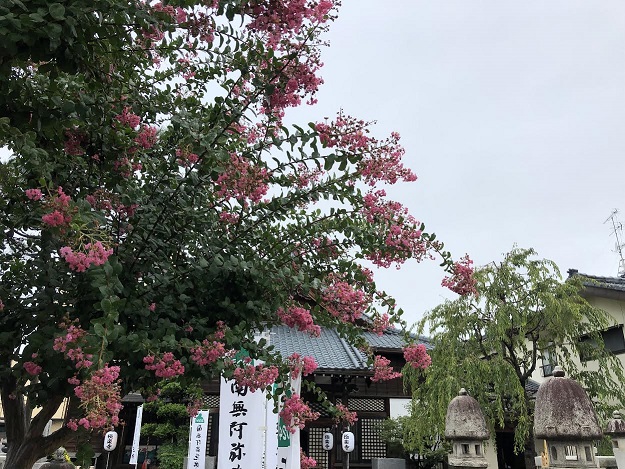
x: 512, y: 114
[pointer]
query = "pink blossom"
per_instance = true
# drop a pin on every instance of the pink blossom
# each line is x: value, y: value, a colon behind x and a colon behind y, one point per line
x: 34, y: 194
x: 295, y: 413
x: 146, y: 138
x: 32, y: 368
x: 416, y: 356
x: 1, y: 306
x: 55, y: 218
x: 382, y: 370
x: 164, y: 367
x: 208, y: 352
x: 73, y: 144
x: 128, y: 118
x: 401, y: 233
x: 300, y: 318
x: 306, y: 462
x: 255, y: 376
x: 95, y: 254
x: 242, y: 181
x: 381, y: 323
x: 152, y: 307
x: 462, y: 281
x: 305, y: 365
x: 343, y: 300
x: 100, y: 398
x: 344, y: 415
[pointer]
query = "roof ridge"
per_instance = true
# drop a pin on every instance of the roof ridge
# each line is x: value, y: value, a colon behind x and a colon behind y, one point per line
x: 348, y: 350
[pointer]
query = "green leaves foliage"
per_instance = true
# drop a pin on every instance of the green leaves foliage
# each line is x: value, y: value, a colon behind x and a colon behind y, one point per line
x: 494, y: 343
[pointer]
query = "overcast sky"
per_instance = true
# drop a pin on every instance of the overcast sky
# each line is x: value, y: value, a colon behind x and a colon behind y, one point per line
x: 512, y: 114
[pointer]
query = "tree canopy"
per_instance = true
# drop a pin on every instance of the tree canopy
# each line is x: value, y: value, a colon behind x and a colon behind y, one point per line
x: 492, y: 343
x: 156, y: 212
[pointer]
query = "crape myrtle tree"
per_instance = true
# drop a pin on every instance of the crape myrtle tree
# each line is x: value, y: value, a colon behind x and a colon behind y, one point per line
x: 493, y: 342
x: 156, y: 212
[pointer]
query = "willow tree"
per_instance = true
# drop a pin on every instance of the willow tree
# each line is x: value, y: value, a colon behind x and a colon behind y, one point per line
x: 155, y: 211
x: 493, y: 342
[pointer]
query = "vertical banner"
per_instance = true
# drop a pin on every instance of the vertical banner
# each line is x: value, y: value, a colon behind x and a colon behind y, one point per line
x: 288, y: 443
x: 242, y: 427
x: 134, y: 453
x: 196, y: 457
x: 271, y: 441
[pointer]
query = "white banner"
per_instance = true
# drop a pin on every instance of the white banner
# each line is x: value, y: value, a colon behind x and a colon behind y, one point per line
x: 134, y: 454
x: 288, y: 443
x: 196, y: 458
x: 242, y: 427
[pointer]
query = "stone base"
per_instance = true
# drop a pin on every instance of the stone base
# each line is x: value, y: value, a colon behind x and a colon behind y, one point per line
x: 388, y: 463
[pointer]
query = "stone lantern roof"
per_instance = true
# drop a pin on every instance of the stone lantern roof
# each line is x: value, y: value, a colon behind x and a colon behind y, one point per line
x: 465, y: 419
x: 564, y: 411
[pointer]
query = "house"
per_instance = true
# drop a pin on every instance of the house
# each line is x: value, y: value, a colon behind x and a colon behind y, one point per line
x: 343, y: 374
x: 608, y: 294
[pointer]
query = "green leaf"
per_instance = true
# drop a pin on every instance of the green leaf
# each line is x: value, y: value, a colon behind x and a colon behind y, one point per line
x: 57, y: 11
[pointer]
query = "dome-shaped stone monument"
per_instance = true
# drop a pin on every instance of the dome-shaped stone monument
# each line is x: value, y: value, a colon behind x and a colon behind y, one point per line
x: 565, y: 418
x: 466, y: 427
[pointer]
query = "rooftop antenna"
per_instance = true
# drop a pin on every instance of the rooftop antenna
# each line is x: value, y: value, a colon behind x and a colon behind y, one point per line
x: 617, y: 227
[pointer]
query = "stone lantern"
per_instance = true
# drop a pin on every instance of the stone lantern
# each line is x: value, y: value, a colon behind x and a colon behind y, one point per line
x: 616, y: 429
x: 58, y: 461
x: 565, y: 418
x: 466, y: 428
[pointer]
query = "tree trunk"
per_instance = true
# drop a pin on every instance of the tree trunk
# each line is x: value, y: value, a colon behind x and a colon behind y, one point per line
x: 26, y: 443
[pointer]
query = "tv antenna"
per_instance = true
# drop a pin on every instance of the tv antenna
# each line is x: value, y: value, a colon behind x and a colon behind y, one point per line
x: 617, y: 228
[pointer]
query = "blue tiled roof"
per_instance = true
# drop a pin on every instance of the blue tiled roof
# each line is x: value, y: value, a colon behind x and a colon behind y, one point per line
x: 331, y: 351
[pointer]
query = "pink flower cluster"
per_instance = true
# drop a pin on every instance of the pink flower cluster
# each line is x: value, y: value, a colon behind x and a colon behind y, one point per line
x: 242, y: 181
x: 146, y: 138
x: 343, y: 300
x: 1, y: 306
x: 208, y: 352
x: 70, y: 344
x: 100, y: 399
x: 73, y: 143
x: 344, y: 415
x: 381, y: 323
x: 34, y: 194
x: 306, y: 462
x: 95, y: 254
x: 127, y: 117
x: 300, y: 318
x: 462, y: 281
x: 380, y: 160
x: 185, y: 158
x: 255, y: 376
x: 61, y: 214
x: 283, y: 18
x: 164, y: 367
x: 416, y: 356
x: 402, y: 238
x: 32, y: 368
x: 382, y: 369
x: 295, y: 413
x: 305, y: 365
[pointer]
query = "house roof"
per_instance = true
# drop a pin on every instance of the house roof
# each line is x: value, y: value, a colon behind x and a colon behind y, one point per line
x: 608, y: 287
x: 609, y: 283
x: 330, y: 350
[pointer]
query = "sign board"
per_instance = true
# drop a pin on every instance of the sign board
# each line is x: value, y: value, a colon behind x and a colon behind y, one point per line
x: 134, y: 452
x: 242, y: 427
x: 196, y: 457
